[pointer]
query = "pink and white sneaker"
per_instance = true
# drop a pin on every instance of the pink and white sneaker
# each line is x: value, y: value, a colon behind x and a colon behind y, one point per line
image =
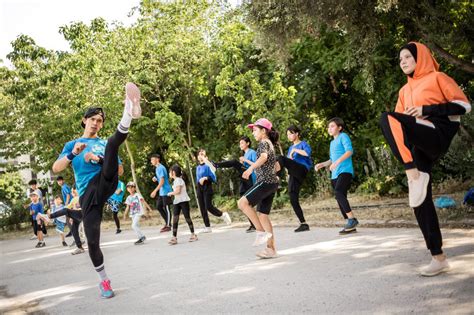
x: 132, y: 100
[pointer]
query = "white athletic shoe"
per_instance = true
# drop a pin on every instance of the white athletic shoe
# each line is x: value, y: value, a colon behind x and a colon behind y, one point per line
x: 43, y: 217
x: 132, y: 100
x: 226, y: 218
x: 261, y: 238
x: 267, y: 253
x: 417, y: 189
x: 207, y: 229
x: 435, y: 268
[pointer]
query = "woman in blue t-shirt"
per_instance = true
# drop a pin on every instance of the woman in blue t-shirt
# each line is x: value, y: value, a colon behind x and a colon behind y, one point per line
x: 298, y: 163
x: 342, y: 171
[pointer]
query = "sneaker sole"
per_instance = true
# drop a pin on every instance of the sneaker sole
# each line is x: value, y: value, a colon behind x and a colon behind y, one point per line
x: 348, y: 232
x: 133, y: 94
x: 446, y: 269
x: 107, y: 297
x: 425, y: 192
x: 302, y: 230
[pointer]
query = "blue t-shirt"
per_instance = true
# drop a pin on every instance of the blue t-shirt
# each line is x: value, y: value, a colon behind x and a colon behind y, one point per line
x: 340, y: 145
x: 203, y: 170
x: 161, y: 172
x: 66, y: 191
x: 251, y: 155
x: 84, y: 172
x: 37, y: 208
x: 301, y: 159
x: 119, y: 197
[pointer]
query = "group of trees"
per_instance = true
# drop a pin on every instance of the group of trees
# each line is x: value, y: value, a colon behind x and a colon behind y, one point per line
x: 206, y: 69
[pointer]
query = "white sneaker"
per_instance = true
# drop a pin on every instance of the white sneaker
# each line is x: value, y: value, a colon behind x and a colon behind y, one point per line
x: 132, y: 100
x: 226, y: 218
x: 77, y: 251
x: 43, y: 217
x: 435, y: 268
x: 207, y: 229
x: 417, y: 189
x: 267, y: 253
x: 261, y: 238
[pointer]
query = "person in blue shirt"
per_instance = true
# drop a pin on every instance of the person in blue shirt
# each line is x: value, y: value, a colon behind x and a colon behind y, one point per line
x: 36, y: 207
x: 114, y: 203
x: 205, y: 176
x: 96, y: 168
x: 298, y: 163
x: 249, y: 157
x: 67, y: 197
x: 342, y: 170
x: 163, y: 201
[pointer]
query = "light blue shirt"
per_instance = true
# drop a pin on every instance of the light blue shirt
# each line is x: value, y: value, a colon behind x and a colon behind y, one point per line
x: 301, y: 159
x: 161, y: 172
x: 119, y: 197
x: 84, y: 172
x: 340, y: 145
x: 66, y: 191
x: 251, y: 155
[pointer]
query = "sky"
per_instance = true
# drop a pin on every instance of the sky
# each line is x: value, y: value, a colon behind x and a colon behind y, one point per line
x: 41, y: 19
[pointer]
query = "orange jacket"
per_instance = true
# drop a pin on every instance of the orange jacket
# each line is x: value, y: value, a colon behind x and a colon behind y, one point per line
x: 435, y: 91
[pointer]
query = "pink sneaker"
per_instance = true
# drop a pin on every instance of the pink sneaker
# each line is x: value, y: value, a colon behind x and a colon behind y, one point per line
x: 132, y: 100
x: 106, y: 291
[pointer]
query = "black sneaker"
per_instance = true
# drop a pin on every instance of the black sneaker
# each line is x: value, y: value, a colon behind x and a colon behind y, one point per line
x: 38, y: 245
x: 303, y: 227
x: 141, y: 241
x: 65, y: 244
x: 118, y: 231
x: 250, y: 229
x: 69, y: 234
x: 41, y: 244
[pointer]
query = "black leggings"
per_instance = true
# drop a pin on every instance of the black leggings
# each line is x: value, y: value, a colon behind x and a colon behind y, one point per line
x: 416, y: 144
x: 245, y: 184
x: 163, y: 207
x: 341, y: 185
x: 76, y: 216
x: 205, y: 203
x: 99, y: 189
x: 35, y: 226
x: 116, y: 219
x: 184, y: 206
x: 297, y: 174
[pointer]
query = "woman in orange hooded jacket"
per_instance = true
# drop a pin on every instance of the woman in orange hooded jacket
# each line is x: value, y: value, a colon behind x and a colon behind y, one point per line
x: 426, y: 118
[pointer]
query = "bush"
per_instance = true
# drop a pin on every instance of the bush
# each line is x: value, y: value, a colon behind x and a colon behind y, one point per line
x: 12, y: 194
x: 384, y: 174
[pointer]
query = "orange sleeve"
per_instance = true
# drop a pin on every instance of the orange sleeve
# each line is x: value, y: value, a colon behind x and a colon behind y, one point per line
x: 400, y: 107
x: 450, y: 89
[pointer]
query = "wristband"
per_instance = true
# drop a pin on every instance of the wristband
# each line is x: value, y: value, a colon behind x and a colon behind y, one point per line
x: 71, y: 156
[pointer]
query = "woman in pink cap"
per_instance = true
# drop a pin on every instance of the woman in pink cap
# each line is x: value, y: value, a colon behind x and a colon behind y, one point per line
x: 262, y: 192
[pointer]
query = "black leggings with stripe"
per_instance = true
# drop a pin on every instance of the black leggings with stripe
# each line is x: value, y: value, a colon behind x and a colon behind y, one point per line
x: 182, y: 206
x: 418, y: 144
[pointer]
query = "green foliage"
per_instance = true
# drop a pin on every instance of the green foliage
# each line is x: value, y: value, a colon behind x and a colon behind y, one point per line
x: 383, y: 173
x: 12, y: 193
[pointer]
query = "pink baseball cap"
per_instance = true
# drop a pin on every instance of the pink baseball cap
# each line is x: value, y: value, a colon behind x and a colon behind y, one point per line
x: 262, y: 122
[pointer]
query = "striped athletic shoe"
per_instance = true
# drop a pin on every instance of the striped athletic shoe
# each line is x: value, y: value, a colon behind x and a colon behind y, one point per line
x: 132, y: 100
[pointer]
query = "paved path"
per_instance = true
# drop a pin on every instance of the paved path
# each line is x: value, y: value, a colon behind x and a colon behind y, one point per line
x: 373, y: 271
